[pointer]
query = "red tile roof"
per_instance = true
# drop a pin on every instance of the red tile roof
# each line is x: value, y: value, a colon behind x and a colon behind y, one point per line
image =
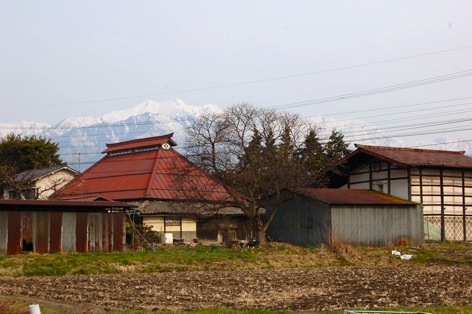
x: 417, y: 157
x: 353, y: 196
x: 144, y: 169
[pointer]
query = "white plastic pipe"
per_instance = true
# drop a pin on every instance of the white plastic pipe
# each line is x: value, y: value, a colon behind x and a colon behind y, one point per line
x: 34, y: 309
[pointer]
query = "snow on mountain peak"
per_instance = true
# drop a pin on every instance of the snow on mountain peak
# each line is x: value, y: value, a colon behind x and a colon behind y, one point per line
x: 174, y: 107
x: 25, y: 128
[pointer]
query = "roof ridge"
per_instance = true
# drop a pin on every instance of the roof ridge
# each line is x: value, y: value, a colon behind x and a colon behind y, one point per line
x: 145, y: 142
x: 138, y: 140
x: 409, y: 149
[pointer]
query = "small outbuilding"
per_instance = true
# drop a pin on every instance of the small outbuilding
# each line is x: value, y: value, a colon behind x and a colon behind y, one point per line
x: 61, y: 226
x: 359, y: 217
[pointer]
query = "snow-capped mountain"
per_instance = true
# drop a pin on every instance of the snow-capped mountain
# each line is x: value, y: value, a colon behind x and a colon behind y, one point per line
x: 81, y: 140
x: 26, y: 128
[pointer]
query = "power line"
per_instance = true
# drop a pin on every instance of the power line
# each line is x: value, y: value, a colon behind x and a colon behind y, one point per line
x: 243, y: 83
x: 403, y: 119
x: 375, y: 91
x: 397, y: 106
x: 346, y: 130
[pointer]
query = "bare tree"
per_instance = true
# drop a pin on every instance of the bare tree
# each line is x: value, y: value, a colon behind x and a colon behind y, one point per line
x: 8, y: 175
x: 252, y: 153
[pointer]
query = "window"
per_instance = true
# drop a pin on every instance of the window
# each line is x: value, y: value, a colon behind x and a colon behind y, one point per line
x: 12, y: 195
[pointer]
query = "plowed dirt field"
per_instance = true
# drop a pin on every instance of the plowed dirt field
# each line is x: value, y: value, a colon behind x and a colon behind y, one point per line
x: 300, y: 289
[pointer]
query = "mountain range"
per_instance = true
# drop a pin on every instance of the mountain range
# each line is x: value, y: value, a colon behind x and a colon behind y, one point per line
x: 81, y: 140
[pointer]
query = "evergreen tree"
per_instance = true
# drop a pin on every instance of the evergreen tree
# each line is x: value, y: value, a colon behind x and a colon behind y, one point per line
x: 27, y: 153
x: 312, y: 154
x: 336, y: 148
x: 21, y: 154
x: 286, y: 149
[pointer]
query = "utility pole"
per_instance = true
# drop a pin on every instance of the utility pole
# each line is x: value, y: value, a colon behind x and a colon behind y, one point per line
x: 79, y: 158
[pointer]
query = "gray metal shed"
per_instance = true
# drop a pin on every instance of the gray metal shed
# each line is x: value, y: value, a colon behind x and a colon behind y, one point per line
x: 358, y: 217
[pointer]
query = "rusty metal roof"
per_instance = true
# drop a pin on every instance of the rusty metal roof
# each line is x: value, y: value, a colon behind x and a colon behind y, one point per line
x: 353, y: 197
x: 337, y: 175
x: 134, y: 170
x: 417, y: 157
x: 141, y: 143
x: 61, y: 205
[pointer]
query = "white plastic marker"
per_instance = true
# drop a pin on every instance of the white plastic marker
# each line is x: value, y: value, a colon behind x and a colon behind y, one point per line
x: 34, y: 309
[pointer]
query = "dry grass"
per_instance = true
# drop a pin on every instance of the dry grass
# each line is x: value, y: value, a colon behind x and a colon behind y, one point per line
x: 203, y: 258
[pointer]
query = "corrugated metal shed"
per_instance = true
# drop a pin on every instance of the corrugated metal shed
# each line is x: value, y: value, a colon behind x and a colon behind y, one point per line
x: 358, y: 217
x: 61, y: 226
x: 144, y: 169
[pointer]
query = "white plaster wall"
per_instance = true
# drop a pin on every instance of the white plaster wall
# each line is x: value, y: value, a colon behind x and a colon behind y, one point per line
x: 51, y: 183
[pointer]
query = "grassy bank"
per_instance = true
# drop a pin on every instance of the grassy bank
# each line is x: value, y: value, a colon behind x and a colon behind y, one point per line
x: 18, y: 306
x: 204, y: 258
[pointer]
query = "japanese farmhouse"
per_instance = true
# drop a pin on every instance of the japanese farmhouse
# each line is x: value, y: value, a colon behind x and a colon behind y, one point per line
x: 439, y: 180
x: 171, y: 194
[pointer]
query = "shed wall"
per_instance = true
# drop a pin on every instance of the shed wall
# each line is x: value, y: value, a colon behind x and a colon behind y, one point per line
x: 55, y: 231
x: 377, y: 225
x: 301, y: 221
x: 3, y: 232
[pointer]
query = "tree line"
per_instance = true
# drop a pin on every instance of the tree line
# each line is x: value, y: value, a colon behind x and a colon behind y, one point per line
x: 261, y: 157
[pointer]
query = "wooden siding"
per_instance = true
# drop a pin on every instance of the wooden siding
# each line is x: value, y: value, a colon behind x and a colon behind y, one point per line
x: 56, y: 231
x: 377, y: 225
x: 380, y: 176
x: 444, y: 193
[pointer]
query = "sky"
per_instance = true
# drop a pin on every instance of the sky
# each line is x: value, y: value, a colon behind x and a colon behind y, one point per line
x: 405, y: 65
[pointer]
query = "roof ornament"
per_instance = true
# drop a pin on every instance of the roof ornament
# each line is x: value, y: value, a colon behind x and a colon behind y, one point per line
x: 166, y: 146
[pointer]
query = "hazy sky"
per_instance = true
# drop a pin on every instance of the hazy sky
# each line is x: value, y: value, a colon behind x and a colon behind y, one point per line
x: 87, y: 58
